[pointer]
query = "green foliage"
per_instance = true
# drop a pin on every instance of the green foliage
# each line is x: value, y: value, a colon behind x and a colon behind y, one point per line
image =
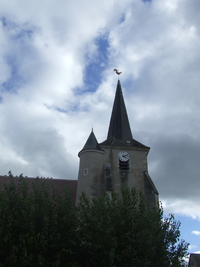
x: 39, y: 227
x: 127, y: 232
x: 36, y: 226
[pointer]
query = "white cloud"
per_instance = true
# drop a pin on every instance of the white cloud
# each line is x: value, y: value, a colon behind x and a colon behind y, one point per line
x: 154, y: 44
x: 190, y: 247
x: 187, y: 207
x: 196, y: 232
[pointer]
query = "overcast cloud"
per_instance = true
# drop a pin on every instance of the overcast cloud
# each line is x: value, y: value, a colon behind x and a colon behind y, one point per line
x: 57, y: 81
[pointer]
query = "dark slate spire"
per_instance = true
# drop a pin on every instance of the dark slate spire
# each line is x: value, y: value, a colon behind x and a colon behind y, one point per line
x: 91, y: 143
x: 119, y: 124
x: 119, y: 132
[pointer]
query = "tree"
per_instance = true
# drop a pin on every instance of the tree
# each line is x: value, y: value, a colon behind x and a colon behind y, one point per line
x: 39, y: 227
x: 127, y: 232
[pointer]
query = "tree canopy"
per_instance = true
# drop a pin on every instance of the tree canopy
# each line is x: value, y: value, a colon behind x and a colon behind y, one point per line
x: 39, y: 227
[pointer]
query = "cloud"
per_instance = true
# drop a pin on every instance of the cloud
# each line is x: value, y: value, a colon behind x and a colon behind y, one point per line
x: 190, y: 247
x: 180, y: 206
x: 198, y: 252
x: 196, y: 232
x: 57, y: 81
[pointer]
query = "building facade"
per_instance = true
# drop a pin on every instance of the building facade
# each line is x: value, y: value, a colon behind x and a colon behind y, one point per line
x: 119, y: 161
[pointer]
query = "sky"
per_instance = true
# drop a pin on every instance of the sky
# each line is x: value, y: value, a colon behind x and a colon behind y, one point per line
x: 57, y: 82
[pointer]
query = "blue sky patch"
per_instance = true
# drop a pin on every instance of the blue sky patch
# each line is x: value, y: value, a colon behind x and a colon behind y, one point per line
x: 5, y: 22
x: 96, y: 66
x: 23, y: 51
x: 69, y: 108
x: 122, y: 19
x: 15, y: 81
x: 187, y: 226
x: 1, y: 99
x: 16, y: 31
x: 23, y: 34
x: 72, y: 109
x: 61, y: 110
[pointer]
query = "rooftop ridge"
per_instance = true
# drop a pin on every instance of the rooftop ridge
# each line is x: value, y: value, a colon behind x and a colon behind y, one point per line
x: 46, y: 178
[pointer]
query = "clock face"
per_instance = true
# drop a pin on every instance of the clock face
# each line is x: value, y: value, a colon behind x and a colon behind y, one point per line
x: 123, y: 156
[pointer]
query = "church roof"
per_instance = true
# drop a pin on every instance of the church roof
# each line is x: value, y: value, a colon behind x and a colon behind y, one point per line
x: 149, y: 184
x: 59, y: 184
x: 194, y: 260
x: 119, y: 132
x: 91, y: 143
x: 119, y: 124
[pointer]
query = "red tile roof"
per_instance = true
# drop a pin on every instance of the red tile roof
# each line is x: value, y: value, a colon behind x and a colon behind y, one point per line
x: 58, y: 183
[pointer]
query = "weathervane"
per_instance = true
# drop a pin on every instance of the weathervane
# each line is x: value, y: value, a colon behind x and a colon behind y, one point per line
x: 117, y: 72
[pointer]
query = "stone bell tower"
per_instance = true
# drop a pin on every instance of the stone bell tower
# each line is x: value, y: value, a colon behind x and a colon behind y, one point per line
x: 119, y: 161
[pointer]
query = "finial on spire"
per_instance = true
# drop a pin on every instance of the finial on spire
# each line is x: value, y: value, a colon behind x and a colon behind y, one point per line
x: 117, y: 72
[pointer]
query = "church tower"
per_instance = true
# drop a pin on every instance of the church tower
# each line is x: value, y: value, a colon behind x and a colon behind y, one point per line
x: 119, y: 161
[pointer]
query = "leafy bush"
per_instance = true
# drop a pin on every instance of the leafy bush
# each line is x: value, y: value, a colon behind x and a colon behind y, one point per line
x: 39, y: 227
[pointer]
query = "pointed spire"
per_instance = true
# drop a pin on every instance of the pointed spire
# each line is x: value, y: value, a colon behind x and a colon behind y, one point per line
x: 119, y: 124
x: 91, y: 143
x: 119, y: 132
